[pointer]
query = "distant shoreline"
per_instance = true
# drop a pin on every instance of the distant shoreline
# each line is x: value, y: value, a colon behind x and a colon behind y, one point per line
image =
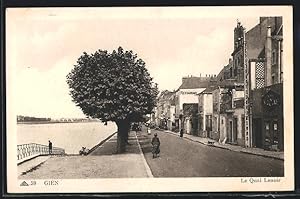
x: 54, y: 122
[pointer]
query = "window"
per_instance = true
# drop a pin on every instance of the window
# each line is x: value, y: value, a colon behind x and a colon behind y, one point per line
x: 267, y: 126
x: 259, y: 74
x: 235, y: 71
x: 274, y: 57
x: 275, y: 133
x: 275, y: 126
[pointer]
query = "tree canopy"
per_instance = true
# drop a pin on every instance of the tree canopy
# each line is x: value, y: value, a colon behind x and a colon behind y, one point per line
x: 112, y: 86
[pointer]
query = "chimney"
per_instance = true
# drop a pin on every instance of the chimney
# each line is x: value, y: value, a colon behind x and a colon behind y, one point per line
x: 268, y: 54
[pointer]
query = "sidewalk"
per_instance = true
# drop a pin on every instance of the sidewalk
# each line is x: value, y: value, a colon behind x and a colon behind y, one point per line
x: 253, y: 151
x: 103, y: 162
x: 31, y: 164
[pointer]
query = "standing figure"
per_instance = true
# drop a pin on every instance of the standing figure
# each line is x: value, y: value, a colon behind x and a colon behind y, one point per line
x: 148, y: 130
x: 50, y: 147
x: 155, y: 146
x: 181, y: 132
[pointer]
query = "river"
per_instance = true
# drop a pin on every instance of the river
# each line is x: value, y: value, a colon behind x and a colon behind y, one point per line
x: 70, y: 136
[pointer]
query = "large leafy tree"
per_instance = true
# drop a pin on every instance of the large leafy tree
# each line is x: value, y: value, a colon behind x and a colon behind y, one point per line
x: 114, y: 87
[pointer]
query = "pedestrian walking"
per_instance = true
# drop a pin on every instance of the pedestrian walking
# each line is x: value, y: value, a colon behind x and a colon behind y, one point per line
x: 50, y: 147
x: 148, y: 130
x: 155, y: 146
x: 181, y: 132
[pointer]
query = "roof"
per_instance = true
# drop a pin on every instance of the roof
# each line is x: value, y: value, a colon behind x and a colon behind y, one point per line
x: 208, y: 90
x: 166, y: 94
x: 196, y: 82
x: 221, y: 74
x: 227, y: 83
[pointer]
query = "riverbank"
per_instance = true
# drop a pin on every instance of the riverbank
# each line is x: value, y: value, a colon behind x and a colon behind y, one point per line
x: 69, y: 136
x: 56, y: 122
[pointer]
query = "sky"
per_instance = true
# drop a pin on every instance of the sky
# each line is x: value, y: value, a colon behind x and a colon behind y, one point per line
x: 43, y: 44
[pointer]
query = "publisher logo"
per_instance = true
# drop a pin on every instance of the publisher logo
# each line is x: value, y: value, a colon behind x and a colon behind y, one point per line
x: 24, y: 184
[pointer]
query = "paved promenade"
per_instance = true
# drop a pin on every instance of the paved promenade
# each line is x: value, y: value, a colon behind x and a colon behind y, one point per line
x: 103, y: 162
x: 30, y: 165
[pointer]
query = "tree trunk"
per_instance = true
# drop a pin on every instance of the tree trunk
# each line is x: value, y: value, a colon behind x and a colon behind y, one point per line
x: 123, y: 129
x: 126, y: 137
x: 127, y: 134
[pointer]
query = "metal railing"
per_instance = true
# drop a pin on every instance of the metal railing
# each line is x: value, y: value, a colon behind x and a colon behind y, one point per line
x: 33, y: 149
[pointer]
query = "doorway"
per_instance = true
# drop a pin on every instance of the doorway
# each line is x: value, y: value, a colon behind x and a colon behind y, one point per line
x: 231, y: 130
x: 275, y: 133
x: 234, y: 132
x: 268, y: 132
x: 257, y: 132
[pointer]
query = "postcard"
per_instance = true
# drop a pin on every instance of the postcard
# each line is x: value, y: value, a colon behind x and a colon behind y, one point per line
x: 149, y: 99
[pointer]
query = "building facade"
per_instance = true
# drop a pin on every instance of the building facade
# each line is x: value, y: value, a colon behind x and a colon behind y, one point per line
x: 187, y: 95
x: 267, y: 114
x: 242, y: 115
x: 265, y: 79
x: 228, y: 113
x: 243, y: 104
x: 205, y: 111
x: 165, y: 110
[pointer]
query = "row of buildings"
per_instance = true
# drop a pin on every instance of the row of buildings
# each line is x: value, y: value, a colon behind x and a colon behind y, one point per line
x: 243, y: 104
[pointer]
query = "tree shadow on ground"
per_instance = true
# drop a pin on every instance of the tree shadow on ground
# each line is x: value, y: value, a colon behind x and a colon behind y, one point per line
x: 110, y: 146
x: 145, y: 142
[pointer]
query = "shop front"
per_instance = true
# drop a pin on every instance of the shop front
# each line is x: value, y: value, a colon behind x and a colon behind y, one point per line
x: 267, y: 120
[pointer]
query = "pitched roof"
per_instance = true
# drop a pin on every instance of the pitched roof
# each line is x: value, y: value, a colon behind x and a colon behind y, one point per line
x: 196, y: 82
x: 166, y: 94
x: 208, y: 90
